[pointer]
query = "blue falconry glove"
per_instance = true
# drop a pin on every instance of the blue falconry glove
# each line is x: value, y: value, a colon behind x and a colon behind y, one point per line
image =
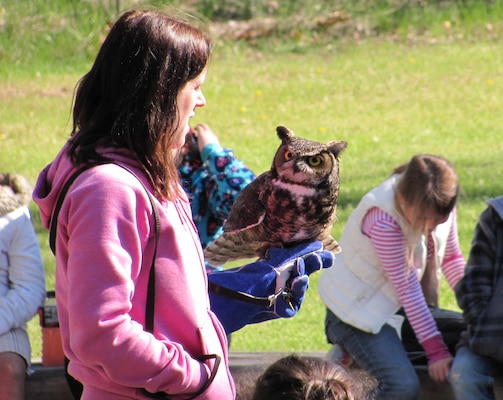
x: 267, y: 289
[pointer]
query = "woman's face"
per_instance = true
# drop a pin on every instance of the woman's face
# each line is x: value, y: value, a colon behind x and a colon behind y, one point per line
x: 189, y: 97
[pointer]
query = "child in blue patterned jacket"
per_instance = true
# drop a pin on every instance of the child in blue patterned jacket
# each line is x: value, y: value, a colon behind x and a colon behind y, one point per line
x: 212, y: 177
x: 22, y: 283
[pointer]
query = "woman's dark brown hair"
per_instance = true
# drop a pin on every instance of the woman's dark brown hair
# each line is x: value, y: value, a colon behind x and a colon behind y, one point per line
x: 129, y: 97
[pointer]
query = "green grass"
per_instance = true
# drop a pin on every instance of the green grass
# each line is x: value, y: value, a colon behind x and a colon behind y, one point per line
x: 388, y: 102
x: 63, y: 35
x: 389, y: 99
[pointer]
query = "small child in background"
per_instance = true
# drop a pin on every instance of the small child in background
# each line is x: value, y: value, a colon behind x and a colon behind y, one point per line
x: 310, y: 378
x: 22, y: 283
x: 477, y: 366
x: 212, y: 177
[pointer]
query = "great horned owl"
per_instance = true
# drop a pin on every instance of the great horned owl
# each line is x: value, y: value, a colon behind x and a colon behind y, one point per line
x: 293, y: 202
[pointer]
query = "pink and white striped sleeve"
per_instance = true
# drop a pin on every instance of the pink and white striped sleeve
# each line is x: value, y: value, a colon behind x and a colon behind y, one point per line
x: 388, y: 240
x: 453, y: 266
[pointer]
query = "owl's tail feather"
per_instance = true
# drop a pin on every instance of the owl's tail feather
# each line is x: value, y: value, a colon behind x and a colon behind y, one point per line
x: 330, y: 244
x: 227, y: 248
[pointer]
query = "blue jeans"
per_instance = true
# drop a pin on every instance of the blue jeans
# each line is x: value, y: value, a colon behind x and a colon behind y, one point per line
x: 472, y: 376
x: 382, y: 355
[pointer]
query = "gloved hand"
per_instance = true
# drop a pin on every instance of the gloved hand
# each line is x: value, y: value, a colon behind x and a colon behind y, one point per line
x: 268, y: 288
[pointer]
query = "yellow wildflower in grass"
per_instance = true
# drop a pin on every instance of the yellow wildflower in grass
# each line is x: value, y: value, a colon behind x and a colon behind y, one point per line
x: 242, y: 109
x: 263, y: 117
x: 490, y: 82
x: 258, y: 92
x: 412, y: 60
x: 323, y: 129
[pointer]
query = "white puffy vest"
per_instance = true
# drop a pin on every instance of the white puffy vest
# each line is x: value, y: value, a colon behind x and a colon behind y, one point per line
x: 357, y: 289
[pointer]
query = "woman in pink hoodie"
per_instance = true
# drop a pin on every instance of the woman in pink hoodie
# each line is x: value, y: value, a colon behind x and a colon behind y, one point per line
x: 132, y: 299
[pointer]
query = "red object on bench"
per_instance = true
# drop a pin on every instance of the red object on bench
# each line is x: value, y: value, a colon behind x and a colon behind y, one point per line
x: 52, y: 348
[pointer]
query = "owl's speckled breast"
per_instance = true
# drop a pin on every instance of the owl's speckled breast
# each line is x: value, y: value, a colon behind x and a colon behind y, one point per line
x: 294, y: 216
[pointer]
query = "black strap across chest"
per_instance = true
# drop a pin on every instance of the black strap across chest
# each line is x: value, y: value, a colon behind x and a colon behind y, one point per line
x: 149, y: 312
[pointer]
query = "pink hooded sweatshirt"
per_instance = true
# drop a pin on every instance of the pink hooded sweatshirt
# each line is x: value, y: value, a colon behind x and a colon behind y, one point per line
x: 104, y: 249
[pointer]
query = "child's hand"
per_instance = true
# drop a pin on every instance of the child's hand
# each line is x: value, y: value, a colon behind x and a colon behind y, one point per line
x: 438, y: 370
x: 204, y: 136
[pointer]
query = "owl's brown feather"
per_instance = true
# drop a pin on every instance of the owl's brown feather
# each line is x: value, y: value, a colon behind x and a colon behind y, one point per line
x: 293, y: 202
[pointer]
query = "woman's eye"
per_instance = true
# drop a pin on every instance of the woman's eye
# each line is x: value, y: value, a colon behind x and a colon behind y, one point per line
x: 314, y: 161
x: 288, y: 155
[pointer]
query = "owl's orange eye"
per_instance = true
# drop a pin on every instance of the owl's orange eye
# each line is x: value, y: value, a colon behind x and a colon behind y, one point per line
x: 314, y: 161
x: 288, y: 155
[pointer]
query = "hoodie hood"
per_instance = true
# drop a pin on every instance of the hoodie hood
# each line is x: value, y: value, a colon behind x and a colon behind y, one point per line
x: 54, y: 176
x: 15, y: 192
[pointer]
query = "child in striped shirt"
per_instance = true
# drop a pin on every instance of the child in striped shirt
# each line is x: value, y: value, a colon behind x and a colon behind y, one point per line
x: 382, y: 293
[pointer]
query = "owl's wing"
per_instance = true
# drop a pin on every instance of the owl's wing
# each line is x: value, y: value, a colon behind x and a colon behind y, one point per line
x: 230, y: 247
x: 242, y: 235
x: 248, y: 210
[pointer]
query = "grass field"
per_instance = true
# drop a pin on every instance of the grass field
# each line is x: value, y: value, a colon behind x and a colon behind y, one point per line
x: 389, y: 99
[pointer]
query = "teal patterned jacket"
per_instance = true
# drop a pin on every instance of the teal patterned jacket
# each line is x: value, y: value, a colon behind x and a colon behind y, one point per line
x: 213, y: 180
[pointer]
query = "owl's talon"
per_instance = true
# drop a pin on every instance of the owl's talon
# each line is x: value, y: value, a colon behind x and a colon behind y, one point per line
x: 288, y: 298
x: 272, y: 298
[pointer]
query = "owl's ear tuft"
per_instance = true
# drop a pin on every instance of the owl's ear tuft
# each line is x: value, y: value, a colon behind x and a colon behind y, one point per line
x: 284, y: 133
x: 337, y: 147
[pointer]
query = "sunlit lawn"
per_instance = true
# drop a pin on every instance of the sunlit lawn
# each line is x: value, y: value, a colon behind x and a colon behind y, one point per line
x: 387, y: 101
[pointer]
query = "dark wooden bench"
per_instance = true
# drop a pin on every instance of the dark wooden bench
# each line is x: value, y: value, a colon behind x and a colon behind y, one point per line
x: 49, y: 383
